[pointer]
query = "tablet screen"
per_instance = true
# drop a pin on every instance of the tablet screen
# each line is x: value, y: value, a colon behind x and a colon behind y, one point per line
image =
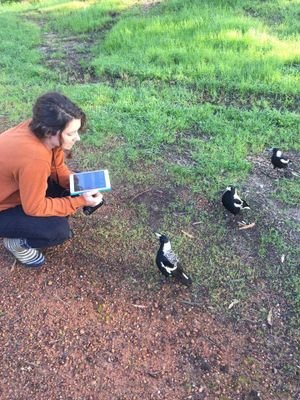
x: 85, y: 181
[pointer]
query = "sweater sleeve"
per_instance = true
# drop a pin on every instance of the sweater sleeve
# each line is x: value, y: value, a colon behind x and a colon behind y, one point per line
x: 33, y: 185
x: 59, y: 170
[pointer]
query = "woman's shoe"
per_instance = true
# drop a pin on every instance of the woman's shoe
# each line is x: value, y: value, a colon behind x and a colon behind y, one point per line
x: 28, y: 256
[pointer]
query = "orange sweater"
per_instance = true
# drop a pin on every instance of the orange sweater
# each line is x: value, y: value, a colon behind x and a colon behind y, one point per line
x: 25, y: 165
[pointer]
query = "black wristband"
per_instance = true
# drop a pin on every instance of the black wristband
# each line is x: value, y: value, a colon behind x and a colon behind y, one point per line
x: 88, y: 210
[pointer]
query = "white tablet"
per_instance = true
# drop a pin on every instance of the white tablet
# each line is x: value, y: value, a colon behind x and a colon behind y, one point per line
x: 84, y: 181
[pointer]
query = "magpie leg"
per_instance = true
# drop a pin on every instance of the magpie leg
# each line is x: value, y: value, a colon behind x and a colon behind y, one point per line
x: 163, y: 280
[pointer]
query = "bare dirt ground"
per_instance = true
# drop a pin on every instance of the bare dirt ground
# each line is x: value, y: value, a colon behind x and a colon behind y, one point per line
x: 79, y: 330
x: 92, y: 324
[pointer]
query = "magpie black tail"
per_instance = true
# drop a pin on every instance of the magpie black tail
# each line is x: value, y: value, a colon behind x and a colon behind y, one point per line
x: 182, y: 277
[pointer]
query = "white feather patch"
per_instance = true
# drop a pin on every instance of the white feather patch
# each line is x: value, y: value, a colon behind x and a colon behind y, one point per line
x: 236, y: 196
x: 186, y: 277
x: 167, y: 247
x: 171, y: 256
x: 238, y: 205
x: 168, y: 269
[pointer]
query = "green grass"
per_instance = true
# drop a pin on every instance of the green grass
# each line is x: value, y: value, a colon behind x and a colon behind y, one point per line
x: 217, y: 139
x: 288, y: 191
x: 20, y: 73
x: 282, y: 273
x: 206, y: 43
x: 279, y: 14
x: 189, y: 89
x: 79, y: 17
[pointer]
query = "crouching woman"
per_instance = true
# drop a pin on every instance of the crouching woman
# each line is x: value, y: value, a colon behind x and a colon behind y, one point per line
x: 34, y: 179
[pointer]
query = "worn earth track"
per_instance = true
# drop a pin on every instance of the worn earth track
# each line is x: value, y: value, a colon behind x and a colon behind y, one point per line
x: 69, y: 56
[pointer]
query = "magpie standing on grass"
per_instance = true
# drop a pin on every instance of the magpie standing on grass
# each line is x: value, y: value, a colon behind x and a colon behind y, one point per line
x: 168, y: 263
x: 278, y: 160
x: 232, y: 201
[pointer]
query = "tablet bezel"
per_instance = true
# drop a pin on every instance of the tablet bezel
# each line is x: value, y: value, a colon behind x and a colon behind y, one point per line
x: 102, y: 189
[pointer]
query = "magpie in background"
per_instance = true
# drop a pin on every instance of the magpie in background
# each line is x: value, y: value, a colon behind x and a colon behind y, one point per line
x: 168, y: 263
x: 278, y: 160
x: 232, y: 201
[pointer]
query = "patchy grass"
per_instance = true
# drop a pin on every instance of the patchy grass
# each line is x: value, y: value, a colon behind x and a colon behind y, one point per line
x: 288, y: 191
x: 20, y: 65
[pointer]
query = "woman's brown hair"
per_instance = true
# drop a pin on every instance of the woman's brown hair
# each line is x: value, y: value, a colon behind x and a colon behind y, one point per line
x: 51, y: 114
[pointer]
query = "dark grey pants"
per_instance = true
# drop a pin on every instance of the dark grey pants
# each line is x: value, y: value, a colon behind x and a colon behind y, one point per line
x: 40, y: 232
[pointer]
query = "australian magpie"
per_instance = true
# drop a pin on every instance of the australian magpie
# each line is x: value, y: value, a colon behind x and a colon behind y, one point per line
x: 168, y: 263
x: 278, y: 160
x: 232, y: 201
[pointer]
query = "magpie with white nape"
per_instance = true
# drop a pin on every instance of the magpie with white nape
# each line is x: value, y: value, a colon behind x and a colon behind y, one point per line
x: 278, y: 160
x: 168, y: 263
x: 232, y: 201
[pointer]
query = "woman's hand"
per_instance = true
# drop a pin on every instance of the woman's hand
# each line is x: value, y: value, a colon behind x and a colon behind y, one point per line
x: 93, y: 198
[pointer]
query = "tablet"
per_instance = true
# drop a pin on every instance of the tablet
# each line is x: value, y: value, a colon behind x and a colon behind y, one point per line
x: 84, y: 181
